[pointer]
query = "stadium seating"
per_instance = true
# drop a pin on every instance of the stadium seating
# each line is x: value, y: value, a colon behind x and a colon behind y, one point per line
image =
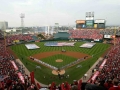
x: 110, y: 31
x: 9, y: 76
x: 11, y: 39
x: 86, y: 34
x: 106, y: 71
x: 116, y: 41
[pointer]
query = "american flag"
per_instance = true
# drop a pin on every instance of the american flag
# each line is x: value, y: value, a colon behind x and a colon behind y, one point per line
x: 60, y: 44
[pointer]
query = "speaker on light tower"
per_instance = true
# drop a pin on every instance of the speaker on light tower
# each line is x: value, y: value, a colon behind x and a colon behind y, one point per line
x: 92, y: 14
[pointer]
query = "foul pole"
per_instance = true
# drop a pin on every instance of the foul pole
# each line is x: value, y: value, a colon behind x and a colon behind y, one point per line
x: 5, y: 40
x: 114, y: 36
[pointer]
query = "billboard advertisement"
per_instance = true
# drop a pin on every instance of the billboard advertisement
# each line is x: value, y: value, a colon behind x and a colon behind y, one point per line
x: 99, y: 21
x: 107, y: 36
x: 95, y: 25
x: 80, y: 21
x: 101, y: 25
x: 78, y: 25
x: 89, y: 23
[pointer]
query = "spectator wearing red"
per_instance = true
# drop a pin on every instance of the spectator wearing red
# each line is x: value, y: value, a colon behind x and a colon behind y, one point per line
x: 115, y: 85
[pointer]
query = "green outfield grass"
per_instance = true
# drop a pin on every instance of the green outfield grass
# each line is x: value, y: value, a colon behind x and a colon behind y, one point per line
x: 75, y: 73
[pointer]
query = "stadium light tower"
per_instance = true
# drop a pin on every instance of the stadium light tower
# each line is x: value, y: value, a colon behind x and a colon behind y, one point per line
x: 22, y: 21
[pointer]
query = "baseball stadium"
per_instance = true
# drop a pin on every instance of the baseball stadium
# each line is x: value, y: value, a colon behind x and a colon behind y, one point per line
x: 71, y: 60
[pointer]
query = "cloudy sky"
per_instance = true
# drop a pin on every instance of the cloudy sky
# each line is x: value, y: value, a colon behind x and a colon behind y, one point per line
x: 64, y: 12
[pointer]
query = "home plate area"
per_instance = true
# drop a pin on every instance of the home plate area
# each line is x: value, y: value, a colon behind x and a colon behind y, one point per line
x: 56, y: 72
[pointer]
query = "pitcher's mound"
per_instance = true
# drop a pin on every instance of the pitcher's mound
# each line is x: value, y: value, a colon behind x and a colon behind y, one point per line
x: 59, y: 60
x: 56, y: 72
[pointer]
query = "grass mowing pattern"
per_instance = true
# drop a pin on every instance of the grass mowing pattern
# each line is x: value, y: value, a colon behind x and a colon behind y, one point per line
x: 75, y: 73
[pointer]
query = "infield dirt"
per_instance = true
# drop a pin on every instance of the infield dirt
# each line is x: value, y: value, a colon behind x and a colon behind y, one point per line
x: 67, y: 53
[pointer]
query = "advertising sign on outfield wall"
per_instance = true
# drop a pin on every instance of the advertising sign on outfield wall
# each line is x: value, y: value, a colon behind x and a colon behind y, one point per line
x: 99, y: 21
x: 107, y: 36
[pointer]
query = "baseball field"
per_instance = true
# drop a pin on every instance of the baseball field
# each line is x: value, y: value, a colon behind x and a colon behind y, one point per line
x: 54, y: 57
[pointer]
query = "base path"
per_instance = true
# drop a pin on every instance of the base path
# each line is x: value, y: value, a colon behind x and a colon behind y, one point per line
x: 67, y: 53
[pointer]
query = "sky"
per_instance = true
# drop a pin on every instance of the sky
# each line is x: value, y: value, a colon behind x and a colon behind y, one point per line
x: 64, y: 12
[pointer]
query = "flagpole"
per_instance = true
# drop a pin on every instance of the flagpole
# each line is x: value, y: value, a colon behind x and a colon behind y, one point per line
x: 115, y: 36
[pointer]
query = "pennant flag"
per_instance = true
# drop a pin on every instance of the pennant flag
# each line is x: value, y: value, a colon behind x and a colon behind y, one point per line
x: 38, y: 85
x: 79, y: 84
x: 52, y: 86
x: 32, y: 77
x: 68, y: 87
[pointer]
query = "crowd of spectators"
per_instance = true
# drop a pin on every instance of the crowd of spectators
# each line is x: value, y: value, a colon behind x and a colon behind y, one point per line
x: 13, y: 38
x: 107, y: 73
x: 9, y: 74
x: 86, y: 34
x: 115, y: 40
x: 110, y: 31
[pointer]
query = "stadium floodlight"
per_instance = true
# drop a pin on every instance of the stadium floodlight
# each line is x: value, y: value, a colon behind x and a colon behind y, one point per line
x: 22, y: 15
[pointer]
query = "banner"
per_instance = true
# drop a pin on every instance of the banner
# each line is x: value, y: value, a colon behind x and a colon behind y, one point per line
x: 62, y: 86
x: 103, y: 63
x: 14, y: 65
x: 38, y: 85
x: 79, y: 84
x: 21, y: 77
x: 52, y: 86
x: 67, y: 86
x: 96, y: 40
x: 95, y: 75
x: 107, y: 36
x: 32, y: 77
